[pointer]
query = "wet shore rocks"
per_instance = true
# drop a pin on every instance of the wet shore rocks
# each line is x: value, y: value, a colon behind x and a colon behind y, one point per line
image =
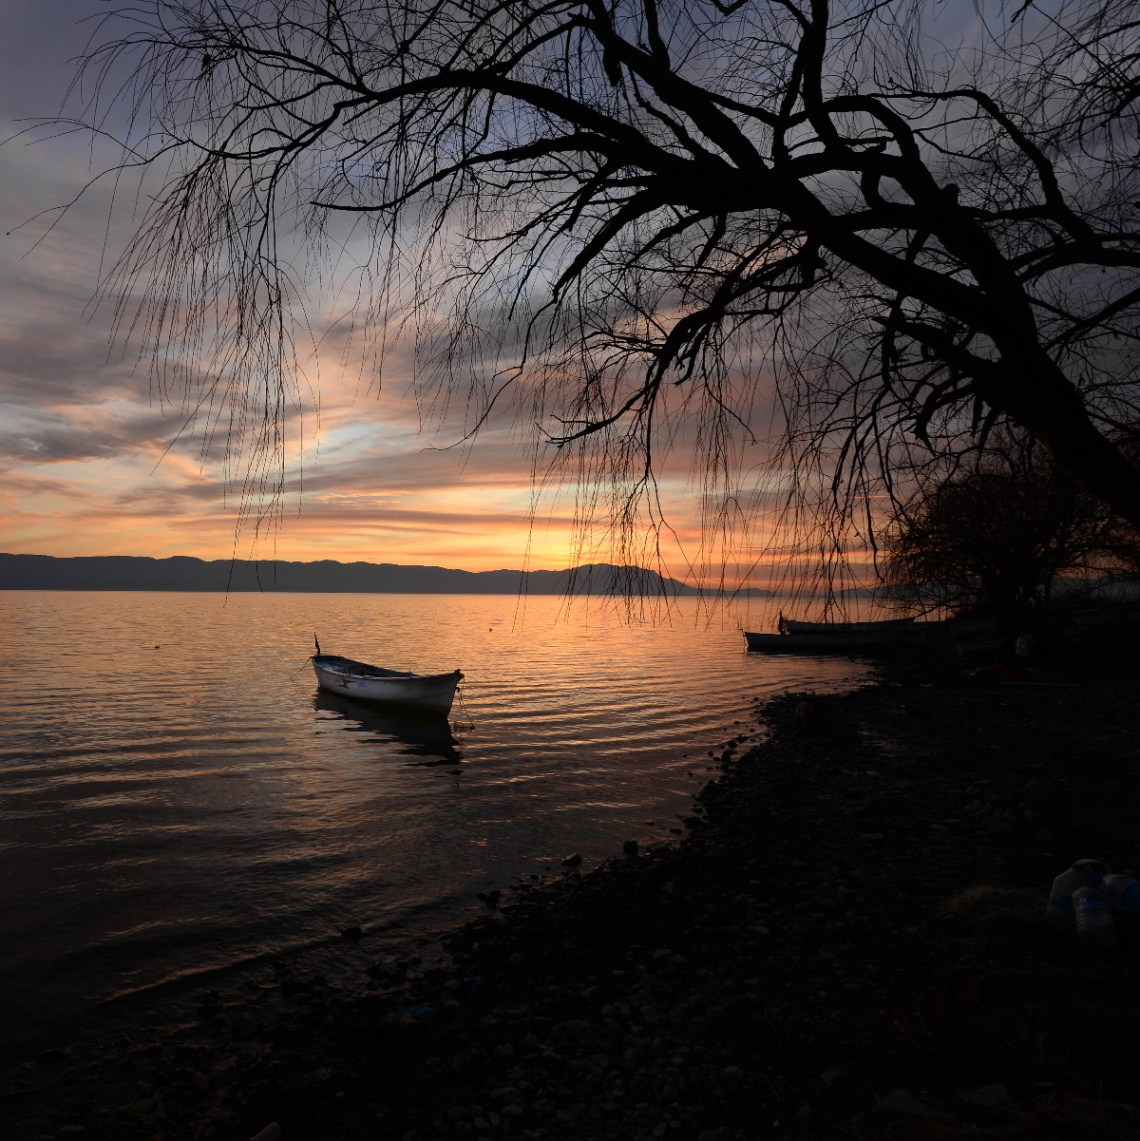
x: 849, y: 941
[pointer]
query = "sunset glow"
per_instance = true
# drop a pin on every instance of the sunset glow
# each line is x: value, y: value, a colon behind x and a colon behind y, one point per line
x: 102, y: 455
x: 97, y: 461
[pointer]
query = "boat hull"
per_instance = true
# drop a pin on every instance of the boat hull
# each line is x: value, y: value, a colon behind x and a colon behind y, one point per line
x: 430, y: 693
x: 834, y: 643
x: 887, y: 626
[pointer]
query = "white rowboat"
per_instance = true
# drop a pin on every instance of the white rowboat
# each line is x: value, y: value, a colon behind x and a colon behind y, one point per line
x: 431, y: 693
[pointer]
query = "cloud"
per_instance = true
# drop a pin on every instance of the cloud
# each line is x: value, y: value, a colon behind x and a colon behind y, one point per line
x: 99, y: 459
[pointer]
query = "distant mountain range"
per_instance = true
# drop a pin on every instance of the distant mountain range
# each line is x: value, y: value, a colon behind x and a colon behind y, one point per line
x: 274, y: 576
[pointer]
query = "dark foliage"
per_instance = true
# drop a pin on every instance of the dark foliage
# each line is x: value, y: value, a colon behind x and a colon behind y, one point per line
x: 1000, y: 537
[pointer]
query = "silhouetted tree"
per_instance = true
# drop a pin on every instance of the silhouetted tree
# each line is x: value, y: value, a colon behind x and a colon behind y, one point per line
x: 896, y: 223
x: 1000, y: 536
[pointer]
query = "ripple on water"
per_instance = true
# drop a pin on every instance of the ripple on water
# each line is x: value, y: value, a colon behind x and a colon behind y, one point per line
x: 168, y: 812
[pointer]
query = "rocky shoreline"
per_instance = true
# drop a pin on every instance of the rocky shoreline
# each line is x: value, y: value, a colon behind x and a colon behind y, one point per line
x: 849, y: 941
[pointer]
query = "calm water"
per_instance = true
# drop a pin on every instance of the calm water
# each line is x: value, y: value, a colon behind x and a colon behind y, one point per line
x: 177, y: 800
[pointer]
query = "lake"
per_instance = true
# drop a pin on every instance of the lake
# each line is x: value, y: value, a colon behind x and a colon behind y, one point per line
x: 177, y: 800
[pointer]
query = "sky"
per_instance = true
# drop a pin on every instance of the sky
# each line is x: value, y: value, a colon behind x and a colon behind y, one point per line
x: 93, y: 461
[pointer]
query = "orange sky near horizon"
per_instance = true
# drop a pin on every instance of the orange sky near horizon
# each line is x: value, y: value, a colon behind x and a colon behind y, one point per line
x: 93, y: 461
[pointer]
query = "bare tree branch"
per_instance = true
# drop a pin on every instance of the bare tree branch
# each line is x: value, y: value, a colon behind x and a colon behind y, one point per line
x: 901, y: 244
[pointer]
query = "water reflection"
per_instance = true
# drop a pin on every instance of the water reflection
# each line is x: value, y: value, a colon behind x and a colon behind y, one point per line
x: 426, y: 737
x: 159, y: 822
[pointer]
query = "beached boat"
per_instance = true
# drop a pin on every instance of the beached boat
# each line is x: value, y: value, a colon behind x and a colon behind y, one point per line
x: 887, y: 627
x: 432, y: 693
x: 974, y: 637
x: 837, y: 642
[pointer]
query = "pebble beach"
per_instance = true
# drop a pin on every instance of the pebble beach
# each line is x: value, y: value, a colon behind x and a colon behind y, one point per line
x: 848, y: 940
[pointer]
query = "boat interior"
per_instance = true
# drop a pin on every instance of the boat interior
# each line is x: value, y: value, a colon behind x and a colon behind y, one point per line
x: 360, y: 669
